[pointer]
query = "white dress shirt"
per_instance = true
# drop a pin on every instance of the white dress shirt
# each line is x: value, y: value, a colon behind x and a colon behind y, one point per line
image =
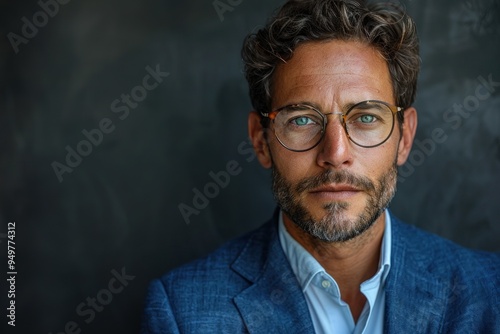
x: 329, y: 313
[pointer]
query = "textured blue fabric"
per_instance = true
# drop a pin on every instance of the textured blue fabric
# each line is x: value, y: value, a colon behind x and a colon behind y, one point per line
x: 247, y: 286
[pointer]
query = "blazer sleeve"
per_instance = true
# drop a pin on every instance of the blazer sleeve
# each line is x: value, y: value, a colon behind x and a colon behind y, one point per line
x: 158, y: 317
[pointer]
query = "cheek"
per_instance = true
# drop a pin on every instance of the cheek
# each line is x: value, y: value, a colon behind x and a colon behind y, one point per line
x: 294, y: 166
x: 377, y: 160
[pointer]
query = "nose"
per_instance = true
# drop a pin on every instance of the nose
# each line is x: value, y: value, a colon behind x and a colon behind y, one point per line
x: 335, y: 148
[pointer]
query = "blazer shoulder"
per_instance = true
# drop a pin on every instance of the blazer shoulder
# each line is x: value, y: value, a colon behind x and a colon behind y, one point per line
x: 442, y: 255
x: 200, y: 294
x: 217, y: 265
x: 438, y: 285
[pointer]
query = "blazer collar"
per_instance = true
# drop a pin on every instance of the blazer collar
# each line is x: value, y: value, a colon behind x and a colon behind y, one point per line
x: 274, y: 299
x: 416, y: 294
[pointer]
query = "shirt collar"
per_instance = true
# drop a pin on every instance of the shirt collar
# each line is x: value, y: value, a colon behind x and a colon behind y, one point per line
x: 305, y: 266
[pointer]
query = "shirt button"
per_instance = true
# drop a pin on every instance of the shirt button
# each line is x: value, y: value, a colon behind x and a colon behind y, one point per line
x: 326, y: 284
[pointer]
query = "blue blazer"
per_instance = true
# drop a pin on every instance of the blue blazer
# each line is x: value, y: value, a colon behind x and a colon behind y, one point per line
x: 247, y: 286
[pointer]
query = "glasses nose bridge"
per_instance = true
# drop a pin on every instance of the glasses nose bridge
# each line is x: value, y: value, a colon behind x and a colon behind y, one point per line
x: 342, y: 118
x: 342, y: 123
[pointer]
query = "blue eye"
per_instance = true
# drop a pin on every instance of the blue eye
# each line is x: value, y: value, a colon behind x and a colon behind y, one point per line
x: 367, y: 119
x: 302, y: 121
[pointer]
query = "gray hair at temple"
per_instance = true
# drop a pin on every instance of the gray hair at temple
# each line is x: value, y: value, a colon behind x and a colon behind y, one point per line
x: 386, y: 27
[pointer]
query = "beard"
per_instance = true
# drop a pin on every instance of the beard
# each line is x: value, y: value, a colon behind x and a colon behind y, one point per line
x: 335, y: 225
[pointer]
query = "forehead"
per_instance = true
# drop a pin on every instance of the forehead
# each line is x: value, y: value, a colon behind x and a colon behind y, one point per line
x: 334, y: 71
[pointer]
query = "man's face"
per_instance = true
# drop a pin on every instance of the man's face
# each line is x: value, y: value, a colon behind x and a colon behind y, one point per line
x: 336, y: 190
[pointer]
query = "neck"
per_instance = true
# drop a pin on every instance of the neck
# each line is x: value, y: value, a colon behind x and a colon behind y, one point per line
x: 350, y: 263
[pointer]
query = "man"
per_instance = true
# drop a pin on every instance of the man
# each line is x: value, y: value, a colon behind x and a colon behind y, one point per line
x: 332, y: 83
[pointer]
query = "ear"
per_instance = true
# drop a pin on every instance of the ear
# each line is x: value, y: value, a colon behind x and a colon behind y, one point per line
x: 406, y: 141
x: 259, y: 142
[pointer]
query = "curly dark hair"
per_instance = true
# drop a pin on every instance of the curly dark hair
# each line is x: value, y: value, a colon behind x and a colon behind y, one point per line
x: 386, y: 27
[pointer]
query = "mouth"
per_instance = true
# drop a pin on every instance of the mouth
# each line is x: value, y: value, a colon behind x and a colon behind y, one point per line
x: 335, y: 192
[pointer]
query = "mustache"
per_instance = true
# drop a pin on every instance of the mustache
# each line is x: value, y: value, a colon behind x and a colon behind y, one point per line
x: 330, y: 176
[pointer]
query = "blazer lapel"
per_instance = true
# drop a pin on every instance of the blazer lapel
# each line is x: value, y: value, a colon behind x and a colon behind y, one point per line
x: 274, y: 303
x: 415, y: 293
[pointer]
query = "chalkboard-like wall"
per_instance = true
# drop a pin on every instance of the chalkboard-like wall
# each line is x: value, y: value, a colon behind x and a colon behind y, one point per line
x: 116, y: 113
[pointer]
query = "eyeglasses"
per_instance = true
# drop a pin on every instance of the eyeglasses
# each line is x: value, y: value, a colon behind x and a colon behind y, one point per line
x: 300, y: 127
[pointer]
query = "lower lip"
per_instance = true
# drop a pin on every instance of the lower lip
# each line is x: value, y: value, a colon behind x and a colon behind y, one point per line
x: 334, y: 195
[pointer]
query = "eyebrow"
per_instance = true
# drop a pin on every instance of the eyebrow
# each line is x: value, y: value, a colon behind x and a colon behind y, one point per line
x: 291, y: 106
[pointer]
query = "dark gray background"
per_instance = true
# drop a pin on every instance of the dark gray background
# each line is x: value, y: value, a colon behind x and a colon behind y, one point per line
x: 119, y: 207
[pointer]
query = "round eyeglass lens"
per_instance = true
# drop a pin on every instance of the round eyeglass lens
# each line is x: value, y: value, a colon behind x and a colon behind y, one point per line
x: 369, y: 123
x: 301, y: 127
